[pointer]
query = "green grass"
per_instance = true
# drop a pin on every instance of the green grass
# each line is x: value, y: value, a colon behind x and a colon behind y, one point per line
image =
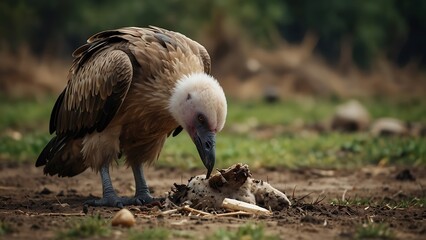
x: 406, y: 203
x: 93, y: 226
x: 279, y: 113
x: 25, y: 149
x: 418, y: 202
x: 5, y: 228
x: 333, y: 149
x: 313, y: 110
x: 25, y: 114
x: 374, y: 231
x: 150, y: 234
x: 30, y: 117
x: 248, y: 231
x: 356, y: 201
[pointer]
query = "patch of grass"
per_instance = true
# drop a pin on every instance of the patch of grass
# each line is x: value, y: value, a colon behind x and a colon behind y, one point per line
x: 407, y: 203
x: 93, y: 226
x: 374, y: 231
x: 406, y: 110
x: 25, y: 149
x: 148, y: 234
x: 329, y: 150
x: 284, y: 112
x: 248, y: 231
x: 415, y: 202
x: 183, y: 235
x: 25, y: 114
x: 313, y: 110
x: 382, y: 202
x: 5, y: 228
x: 356, y: 201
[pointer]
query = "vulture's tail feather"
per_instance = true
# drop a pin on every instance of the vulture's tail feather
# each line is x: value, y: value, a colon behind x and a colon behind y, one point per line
x: 44, y: 156
x: 62, y: 156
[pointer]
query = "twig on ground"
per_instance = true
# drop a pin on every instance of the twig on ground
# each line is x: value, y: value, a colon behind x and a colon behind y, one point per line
x: 231, y: 214
x: 396, y: 194
x: 7, y: 188
x: 58, y: 214
x: 171, y: 211
x: 318, y: 200
x: 344, y: 195
x: 33, y: 214
x: 294, y: 189
x: 301, y: 198
x: 193, y: 210
x: 205, y: 214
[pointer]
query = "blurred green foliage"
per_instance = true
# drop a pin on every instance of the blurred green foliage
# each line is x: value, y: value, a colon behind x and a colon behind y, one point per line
x: 5, y: 228
x: 374, y: 231
x: 87, y: 227
x: 389, y: 27
x: 159, y: 233
x: 247, y: 231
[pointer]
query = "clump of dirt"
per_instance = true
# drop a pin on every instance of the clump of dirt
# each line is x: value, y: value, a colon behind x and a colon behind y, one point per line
x: 405, y: 175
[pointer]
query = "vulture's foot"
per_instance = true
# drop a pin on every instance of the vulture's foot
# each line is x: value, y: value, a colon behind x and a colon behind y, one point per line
x: 111, y: 200
x: 142, y: 195
x: 147, y: 199
x: 120, y: 202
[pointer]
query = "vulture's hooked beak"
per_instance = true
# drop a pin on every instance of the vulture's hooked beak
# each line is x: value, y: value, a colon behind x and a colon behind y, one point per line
x: 205, y: 140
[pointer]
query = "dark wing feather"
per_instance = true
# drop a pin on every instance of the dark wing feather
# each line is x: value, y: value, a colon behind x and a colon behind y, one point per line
x: 177, y: 131
x: 53, y: 118
x: 98, y: 83
x: 55, y: 145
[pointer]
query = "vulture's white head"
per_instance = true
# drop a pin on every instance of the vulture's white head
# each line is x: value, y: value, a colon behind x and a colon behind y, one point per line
x: 198, y: 104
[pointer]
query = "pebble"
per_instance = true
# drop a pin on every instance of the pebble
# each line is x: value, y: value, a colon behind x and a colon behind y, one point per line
x: 123, y: 218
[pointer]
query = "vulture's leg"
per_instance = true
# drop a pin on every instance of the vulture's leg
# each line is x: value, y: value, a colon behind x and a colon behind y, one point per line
x: 109, y: 197
x: 142, y: 195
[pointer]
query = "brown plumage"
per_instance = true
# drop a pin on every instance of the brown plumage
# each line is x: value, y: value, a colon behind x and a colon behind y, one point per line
x: 128, y: 90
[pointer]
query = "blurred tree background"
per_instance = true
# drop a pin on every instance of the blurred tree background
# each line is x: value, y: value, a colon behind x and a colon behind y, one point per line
x: 354, y: 33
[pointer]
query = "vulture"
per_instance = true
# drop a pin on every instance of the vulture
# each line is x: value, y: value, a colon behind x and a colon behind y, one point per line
x: 128, y: 90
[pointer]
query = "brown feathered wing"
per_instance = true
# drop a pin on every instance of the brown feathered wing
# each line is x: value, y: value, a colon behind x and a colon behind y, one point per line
x: 98, y: 83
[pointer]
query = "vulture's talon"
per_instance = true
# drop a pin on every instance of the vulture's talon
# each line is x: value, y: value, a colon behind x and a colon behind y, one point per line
x: 130, y: 201
x: 138, y: 202
x: 111, y: 201
x: 148, y: 200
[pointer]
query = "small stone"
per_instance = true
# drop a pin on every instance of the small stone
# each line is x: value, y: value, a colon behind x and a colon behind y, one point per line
x: 350, y: 117
x: 45, y: 191
x: 35, y: 227
x: 123, y: 218
x: 271, y: 95
x: 85, y: 209
x: 405, y: 175
x: 388, y: 127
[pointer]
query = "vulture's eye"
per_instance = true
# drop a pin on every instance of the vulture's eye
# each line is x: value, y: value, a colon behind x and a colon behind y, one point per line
x: 201, y: 118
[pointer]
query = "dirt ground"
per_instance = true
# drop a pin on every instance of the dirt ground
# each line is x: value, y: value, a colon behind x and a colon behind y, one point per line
x: 36, y: 206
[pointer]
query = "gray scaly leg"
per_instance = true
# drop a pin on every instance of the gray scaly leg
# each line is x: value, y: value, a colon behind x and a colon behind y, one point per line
x: 142, y: 195
x: 109, y: 198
